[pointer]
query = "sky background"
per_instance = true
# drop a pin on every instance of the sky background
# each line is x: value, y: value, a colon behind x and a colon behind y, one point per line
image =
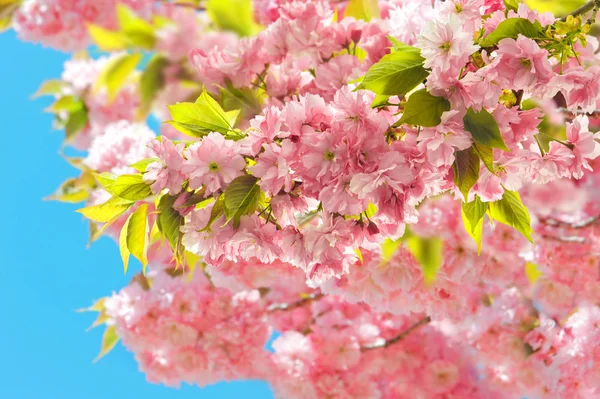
x: 46, y: 270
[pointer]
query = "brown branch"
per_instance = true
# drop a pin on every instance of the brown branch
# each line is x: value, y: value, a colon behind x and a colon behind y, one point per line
x: 587, y: 7
x: 294, y: 305
x: 399, y: 337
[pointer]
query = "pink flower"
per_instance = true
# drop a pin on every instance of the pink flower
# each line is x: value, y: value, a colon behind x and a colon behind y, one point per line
x: 440, y: 142
x: 584, y: 142
x: 272, y: 168
x: 523, y: 64
x: 441, y: 376
x: 393, y: 171
x: 213, y: 163
x: 444, y: 44
x: 166, y: 173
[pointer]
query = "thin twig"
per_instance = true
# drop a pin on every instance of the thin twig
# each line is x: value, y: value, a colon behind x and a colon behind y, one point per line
x: 589, y: 6
x: 398, y: 337
x: 578, y: 225
x: 294, y: 305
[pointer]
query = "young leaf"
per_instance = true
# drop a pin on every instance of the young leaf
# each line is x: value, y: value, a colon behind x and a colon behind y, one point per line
x: 76, y: 121
x: 241, y: 198
x: 216, y: 212
x: 511, y: 28
x: 363, y: 9
x: 428, y: 252
x: 137, y: 235
x: 423, y: 109
x: 142, y: 165
x: 484, y: 129
x: 67, y: 104
x: 109, y: 340
x: 151, y: 82
x: 137, y: 32
x: 169, y: 223
x: 131, y: 187
x: 472, y: 216
x: 123, y: 249
x: 486, y: 154
x: 396, y: 73
x: 466, y: 170
x: 115, y: 73
x: 228, y: 117
x: 533, y: 272
x: 106, y: 180
x: 202, y: 117
x: 74, y: 190
x: 511, y: 211
x: 49, y: 88
x: 388, y: 249
x: 107, y: 40
x: 108, y: 211
x: 7, y: 9
x: 233, y: 15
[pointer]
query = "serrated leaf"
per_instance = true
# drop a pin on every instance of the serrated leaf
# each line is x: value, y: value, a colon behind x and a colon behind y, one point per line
x: 49, y: 88
x: 107, y: 40
x: 137, y: 32
x: 151, y: 82
x: 233, y: 15
x: 116, y: 72
x: 202, y: 117
x: 137, y: 235
x: 466, y: 170
x: 396, y: 73
x: 511, y: 28
x: 428, y: 252
x: 142, y: 165
x: 423, y: 109
x: 123, y: 249
x: 74, y: 190
x: 109, y: 340
x: 108, y: 211
x: 241, y: 198
x: 511, y: 211
x: 363, y: 9
x: 131, y: 187
x: 486, y: 154
x: 106, y: 180
x: 472, y: 215
x: 169, y: 223
x: 484, y: 129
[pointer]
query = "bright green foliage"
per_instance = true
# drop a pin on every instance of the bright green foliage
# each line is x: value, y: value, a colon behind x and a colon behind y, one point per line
x: 466, y: 170
x: 151, y: 82
x: 363, y: 9
x: 233, y: 15
x: 134, y: 237
x: 7, y: 9
x: 109, y: 340
x: 141, y: 166
x: 511, y: 211
x: 484, y: 129
x: 107, y: 40
x: 49, y: 87
x: 396, y: 73
x: 202, y: 117
x: 556, y: 7
x: 512, y: 27
x: 116, y: 72
x: 216, y: 212
x: 428, y: 252
x: 242, y: 197
x: 486, y: 154
x: 75, y: 190
x: 423, y: 109
x: 169, y: 223
x: 107, y: 212
x: 533, y: 272
x: 389, y: 248
x: 137, y: 32
x: 472, y: 214
x: 131, y: 187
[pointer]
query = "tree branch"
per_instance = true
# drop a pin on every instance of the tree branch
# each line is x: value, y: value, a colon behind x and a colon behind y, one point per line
x: 589, y: 6
x: 579, y: 225
x: 294, y: 305
x: 399, y: 337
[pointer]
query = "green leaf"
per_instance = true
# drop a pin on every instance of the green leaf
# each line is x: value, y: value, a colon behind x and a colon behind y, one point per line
x: 363, y: 9
x: 511, y: 28
x: 67, y: 104
x: 106, y: 180
x: 486, y: 154
x: 108, y: 211
x: 396, y: 73
x: 50, y: 88
x: 123, y: 249
x: 512, y: 4
x: 131, y: 187
x: 114, y: 75
x: 137, y: 32
x: 216, y: 212
x: 511, y: 211
x: 466, y: 170
x: 428, y: 252
x: 169, y: 224
x: 76, y: 121
x: 472, y: 216
x: 142, y: 165
x: 74, y: 190
x: 109, y: 340
x: 389, y: 249
x: 107, y: 40
x: 562, y: 7
x: 484, y: 129
x: 233, y: 15
x: 7, y: 10
x: 533, y: 272
x: 137, y: 235
x: 151, y: 82
x: 423, y: 109
x: 241, y: 198
x: 202, y: 117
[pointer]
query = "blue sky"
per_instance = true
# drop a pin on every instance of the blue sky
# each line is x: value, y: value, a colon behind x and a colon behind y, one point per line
x: 46, y: 270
